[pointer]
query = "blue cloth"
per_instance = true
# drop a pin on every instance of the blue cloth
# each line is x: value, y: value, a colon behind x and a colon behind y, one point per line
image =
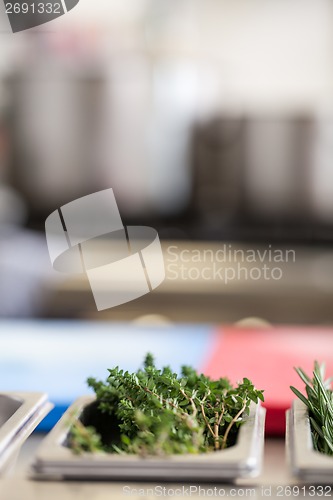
x: 57, y: 356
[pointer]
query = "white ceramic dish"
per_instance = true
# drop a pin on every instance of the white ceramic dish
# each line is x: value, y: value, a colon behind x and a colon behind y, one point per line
x: 55, y: 460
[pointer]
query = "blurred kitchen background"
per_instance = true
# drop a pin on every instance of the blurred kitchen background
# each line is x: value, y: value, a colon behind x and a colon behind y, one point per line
x: 212, y: 120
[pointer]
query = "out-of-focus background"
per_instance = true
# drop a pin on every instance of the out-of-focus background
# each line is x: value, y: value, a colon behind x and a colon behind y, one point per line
x: 211, y: 120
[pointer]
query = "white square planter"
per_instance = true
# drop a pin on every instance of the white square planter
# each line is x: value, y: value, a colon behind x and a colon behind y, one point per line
x: 55, y: 460
x: 306, y: 463
x: 20, y: 413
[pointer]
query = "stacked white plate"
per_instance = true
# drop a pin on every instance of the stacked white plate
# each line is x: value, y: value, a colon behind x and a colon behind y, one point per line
x: 55, y: 460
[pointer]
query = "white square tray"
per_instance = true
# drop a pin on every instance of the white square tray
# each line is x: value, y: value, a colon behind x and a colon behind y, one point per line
x: 20, y: 413
x: 55, y: 460
x: 306, y: 463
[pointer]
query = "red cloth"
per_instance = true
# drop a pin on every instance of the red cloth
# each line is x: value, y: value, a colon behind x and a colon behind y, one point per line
x: 267, y: 357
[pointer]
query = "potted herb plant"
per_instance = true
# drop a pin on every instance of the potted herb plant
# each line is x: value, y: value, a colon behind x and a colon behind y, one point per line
x: 310, y: 428
x: 156, y: 424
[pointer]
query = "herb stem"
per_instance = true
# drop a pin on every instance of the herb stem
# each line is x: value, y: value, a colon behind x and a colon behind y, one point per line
x: 233, y: 421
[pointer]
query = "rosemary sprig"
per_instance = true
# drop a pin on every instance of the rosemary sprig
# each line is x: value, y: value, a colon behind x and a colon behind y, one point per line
x: 319, y: 400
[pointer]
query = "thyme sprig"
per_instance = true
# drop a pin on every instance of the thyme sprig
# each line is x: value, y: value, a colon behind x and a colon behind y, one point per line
x: 319, y: 401
x: 158, y: 412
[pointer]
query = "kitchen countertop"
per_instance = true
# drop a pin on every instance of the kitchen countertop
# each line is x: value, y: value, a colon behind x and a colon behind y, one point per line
x: 272, y: 482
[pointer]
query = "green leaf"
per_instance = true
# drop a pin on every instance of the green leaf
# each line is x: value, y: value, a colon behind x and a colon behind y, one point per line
x: 300, y: 395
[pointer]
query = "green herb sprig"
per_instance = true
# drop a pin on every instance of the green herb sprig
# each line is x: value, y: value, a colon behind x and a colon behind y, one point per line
x: 84, y: 439
x: 159, y: 413
x: 319, y: 401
